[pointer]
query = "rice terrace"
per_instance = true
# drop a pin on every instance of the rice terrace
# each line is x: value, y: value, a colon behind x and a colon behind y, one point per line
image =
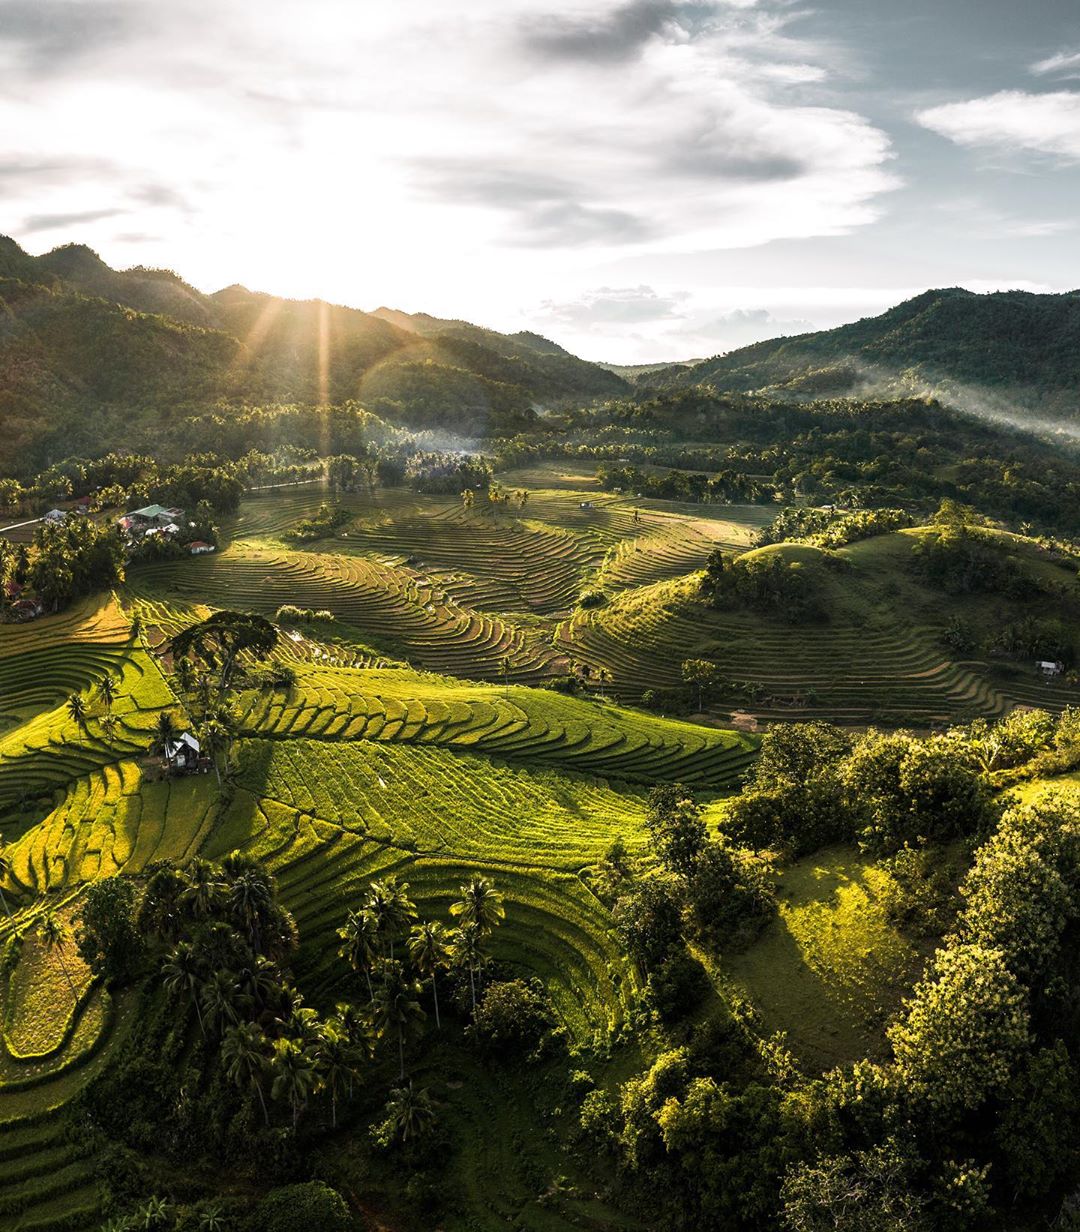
x: 610, y: 767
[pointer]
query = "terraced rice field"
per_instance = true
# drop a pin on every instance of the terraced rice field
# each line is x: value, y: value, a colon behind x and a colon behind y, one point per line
x: 56, y: 1037
x: 329, y: 818
x: 869, y: 662
x: 510, y: 723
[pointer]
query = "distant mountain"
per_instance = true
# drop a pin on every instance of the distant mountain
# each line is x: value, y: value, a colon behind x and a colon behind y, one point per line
x: 92, y: 358
x: 1013, y: 346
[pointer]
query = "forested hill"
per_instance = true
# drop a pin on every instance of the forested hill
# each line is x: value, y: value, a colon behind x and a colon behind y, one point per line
x: 1011, y: 345
x: 92, y: 358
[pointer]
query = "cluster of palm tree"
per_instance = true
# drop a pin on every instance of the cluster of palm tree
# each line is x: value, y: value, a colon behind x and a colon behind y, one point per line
x: 156, y: 1214
x: 226, y: 940
x: 387, y: 916
x: 79, y: 704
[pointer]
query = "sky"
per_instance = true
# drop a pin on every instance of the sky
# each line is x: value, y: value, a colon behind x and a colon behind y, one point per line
x: 643, y: 181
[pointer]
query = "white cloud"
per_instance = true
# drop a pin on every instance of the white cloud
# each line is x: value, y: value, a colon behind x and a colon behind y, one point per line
x: 1012, y: 120
x: 1064, y: 64
x: 422, y: 153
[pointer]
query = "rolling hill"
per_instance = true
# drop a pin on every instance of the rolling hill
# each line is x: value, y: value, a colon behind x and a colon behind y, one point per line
x: 91, y: 358
x: 1019, y: 347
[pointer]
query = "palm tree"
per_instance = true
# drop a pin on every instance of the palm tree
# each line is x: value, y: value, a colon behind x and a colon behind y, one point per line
x: 212, y: 1219
x: 76, y: 708
x: 480, y: 904
x: 360, y: 943
x: 204, y: 888
x: 295, y: 1074
x: 221, y: 997
x: 429, y: 949
x: 108, y: 690
x: 251, y: 900
x: 396, y: 1007
x: 392, y: 908
x: 53, y: 936
x: 5, y: 869
x: 183, y: 972
x: 161, y: 908
x: 339, y: 1061
x: 466, y: 951
x: 214, y: 738
x: 166, y: 734
x: 108, y: 724
x: 505, y: 666
x: 411, y: 1112
x: 243, y: 1049
x: 603, y: 677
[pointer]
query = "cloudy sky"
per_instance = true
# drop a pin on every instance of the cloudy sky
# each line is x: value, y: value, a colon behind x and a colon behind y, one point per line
x: 649, y: 180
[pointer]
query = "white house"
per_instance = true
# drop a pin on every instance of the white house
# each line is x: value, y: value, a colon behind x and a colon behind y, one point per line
x: 1049, y: 668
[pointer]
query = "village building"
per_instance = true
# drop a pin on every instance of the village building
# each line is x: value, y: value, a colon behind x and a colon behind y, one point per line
x: 152, y: 520
x: 1049, y: 667
x: 199, y: 547
x: 183, y: 752
x: 55, y: 515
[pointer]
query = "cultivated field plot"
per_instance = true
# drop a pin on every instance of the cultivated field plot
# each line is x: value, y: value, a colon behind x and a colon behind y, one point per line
x: 512, y: 723
x: 328, y: 818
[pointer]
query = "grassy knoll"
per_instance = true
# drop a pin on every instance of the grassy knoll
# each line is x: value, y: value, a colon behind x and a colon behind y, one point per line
x: 830, y: 970
x: 876, y: 654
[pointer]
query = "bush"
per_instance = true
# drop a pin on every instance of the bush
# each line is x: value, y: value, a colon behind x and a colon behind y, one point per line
x: 593, y: 596
x: 302, y: 1208
x: 513, y: 1017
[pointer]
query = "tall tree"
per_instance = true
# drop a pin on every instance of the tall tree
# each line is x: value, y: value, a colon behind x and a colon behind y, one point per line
x: 53, y: 934
x: 76, y: 709
x: 429, y: 949
x: 108, y: 691
x: 295, y: 1075
x: 244, y: 1051
x: 480, y: 904
x: 360, y: 943
x: 397, y: 1010
x: 183, y: 972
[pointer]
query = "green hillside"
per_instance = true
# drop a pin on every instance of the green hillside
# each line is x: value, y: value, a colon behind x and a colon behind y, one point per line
x: 93, y: 358
x: 1015, y: 345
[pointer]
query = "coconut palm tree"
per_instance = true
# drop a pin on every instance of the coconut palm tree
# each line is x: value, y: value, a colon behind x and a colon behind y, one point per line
x: 603, y: 677
x: 251, y: 901
x: 183, y: 972
x: 108, y: 691
x: 389, y: 903
x: 166, y: 733
x: 480, y: 904
x: 76, y: 708
x: 244, y: 1052
x: 214, y: 737
x: 53, y: 936
x: 429, y: 949
x: 411, y: 1112
x: 466, y: 951
x: 360, y: 943
x: 338, y: 1059
x: 397, y: 1010
x: 221, y: 998
x: 295, y: 1075
x: 204, y: 890
x: 162, y: 910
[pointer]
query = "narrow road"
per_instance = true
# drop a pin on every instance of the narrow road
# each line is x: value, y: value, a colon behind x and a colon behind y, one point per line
x: 20, y: 525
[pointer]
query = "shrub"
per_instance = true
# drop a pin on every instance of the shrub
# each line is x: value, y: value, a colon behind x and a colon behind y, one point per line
x: 301, y: 1208
x: 513, y: 1017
